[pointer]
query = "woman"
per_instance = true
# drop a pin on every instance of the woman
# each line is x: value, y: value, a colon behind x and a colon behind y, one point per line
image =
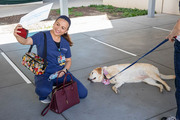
x: 58, y: 57
x: 176, y: 32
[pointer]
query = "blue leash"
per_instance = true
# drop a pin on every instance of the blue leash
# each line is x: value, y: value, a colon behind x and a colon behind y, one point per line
x: 140, y: 58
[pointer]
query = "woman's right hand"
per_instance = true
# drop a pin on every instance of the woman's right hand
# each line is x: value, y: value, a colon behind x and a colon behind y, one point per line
x: 16, y: 30
x: 170, y: 37
x: 27, y: 41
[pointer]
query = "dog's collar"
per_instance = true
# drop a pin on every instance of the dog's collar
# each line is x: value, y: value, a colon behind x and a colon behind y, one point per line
x: 105, y: 80
x: 105, y: 72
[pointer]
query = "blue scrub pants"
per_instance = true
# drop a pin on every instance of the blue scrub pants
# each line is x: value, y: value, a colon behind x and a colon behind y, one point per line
x: 44, y: 86
x: 177, y: 73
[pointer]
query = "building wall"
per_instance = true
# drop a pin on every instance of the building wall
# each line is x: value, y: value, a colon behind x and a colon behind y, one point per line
x: 171, y: 6
x: 161, y: 6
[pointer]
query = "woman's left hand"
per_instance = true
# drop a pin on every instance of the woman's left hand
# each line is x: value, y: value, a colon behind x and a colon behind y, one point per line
x: 62, y: 73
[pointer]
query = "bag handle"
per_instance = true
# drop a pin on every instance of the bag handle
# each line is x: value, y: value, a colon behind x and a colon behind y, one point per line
x: 65, y: 80
x: 47, y: 108
x: 45, y: 50
x: 66, y: 74
x: 58, y: 75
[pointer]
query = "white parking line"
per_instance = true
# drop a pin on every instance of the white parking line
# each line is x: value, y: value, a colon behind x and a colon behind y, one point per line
x: 15, y: 68
x: 162, y: 29
x: 113, y: 47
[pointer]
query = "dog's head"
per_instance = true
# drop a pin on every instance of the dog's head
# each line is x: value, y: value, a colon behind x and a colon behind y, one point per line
x: 96, y: 75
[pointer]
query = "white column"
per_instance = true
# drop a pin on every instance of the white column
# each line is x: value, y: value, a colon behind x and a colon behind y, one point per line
x: 64, y: 7
x: 151, y: 8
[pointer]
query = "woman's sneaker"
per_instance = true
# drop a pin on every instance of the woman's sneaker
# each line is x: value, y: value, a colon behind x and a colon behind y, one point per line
x: 169, y: 118
x: 46, y: 101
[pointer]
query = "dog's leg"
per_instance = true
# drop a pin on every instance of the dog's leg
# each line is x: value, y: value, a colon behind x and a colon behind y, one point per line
x: 116, y: 86
x: 151, y: 81
x: 157, y: 78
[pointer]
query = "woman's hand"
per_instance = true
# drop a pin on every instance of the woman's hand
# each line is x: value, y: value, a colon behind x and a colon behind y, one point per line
x: 170, y: 37
x: 23, y: 41
x: 67, y: 67
x: 175, y: 31
x: 62, y: 73
x: 16, y: 30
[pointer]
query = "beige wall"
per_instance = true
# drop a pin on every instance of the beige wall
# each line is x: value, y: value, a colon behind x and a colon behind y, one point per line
x: 162, y: 6
x: 171, y: 6
x: 127, y: 3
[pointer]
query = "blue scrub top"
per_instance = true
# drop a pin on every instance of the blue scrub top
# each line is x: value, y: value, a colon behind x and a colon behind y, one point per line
x: 55, y: 57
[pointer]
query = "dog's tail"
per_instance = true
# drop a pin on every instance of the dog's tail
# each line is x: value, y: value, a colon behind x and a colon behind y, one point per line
x: 167, y: 76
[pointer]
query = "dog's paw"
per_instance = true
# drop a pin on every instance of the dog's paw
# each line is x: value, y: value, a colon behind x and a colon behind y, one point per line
x: 115, y: 89
x: 168, y: 89
x: 161, y: 88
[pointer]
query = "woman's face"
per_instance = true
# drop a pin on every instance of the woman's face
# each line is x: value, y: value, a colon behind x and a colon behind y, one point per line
x: 60, y: 27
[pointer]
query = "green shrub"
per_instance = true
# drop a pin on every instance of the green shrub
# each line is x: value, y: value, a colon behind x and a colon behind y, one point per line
x: 126, y: 12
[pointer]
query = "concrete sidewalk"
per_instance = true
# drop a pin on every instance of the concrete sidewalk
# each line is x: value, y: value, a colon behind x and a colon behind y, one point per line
x: 139, y: 101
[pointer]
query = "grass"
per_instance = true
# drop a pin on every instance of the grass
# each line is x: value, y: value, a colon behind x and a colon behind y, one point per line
x: 126, y: 12
x: 72, y: 12
x: 75, y: 13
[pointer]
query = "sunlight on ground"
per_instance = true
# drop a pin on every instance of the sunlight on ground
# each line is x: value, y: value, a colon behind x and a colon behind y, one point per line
x: 78, y: 25
x: 90, y: 23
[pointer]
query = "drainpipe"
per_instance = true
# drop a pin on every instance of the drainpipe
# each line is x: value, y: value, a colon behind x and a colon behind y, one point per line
x: 151, y: 8
x: 64, y: 7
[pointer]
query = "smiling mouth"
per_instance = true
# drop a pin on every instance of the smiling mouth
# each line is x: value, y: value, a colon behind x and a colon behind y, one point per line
x: 57, y: 32
x: 91, y: 80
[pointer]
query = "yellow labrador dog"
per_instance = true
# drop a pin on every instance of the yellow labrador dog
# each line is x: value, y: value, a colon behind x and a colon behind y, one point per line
x: 140, y: 72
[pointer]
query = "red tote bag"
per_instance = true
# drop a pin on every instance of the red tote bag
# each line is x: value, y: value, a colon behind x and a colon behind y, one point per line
x: 64, y: 96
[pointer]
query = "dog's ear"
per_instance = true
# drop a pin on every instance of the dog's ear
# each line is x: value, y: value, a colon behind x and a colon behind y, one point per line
x: 99, y: 70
